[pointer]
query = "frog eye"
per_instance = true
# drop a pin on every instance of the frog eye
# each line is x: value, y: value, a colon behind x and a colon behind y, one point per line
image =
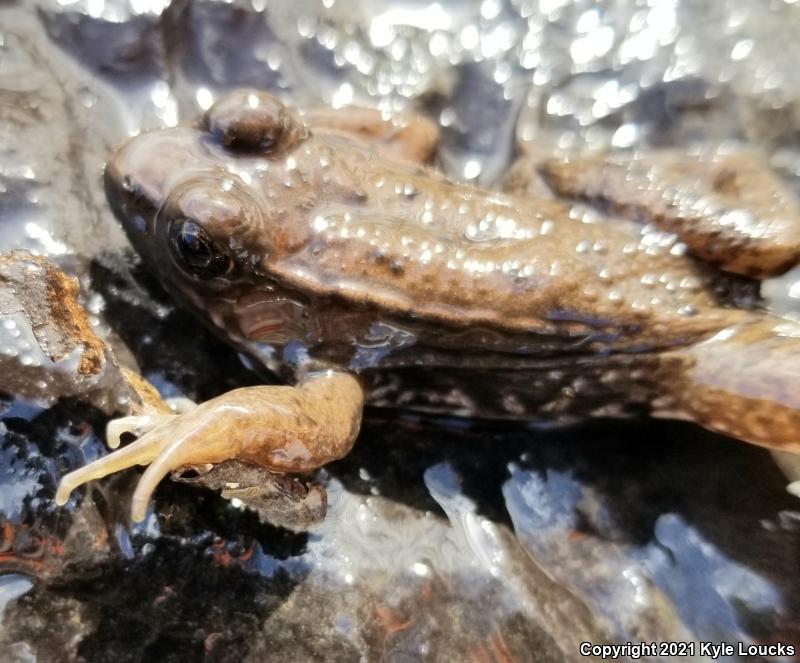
x: 195, y: 251
x: 250, y: 120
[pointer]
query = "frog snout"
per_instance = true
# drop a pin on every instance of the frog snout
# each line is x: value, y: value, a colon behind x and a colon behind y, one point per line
x: 140, y: 174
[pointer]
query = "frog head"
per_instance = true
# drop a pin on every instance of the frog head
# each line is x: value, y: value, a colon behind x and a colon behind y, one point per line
x: 208, y: 206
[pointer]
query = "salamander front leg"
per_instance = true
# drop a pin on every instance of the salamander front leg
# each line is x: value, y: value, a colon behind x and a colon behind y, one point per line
x: 283, y: 429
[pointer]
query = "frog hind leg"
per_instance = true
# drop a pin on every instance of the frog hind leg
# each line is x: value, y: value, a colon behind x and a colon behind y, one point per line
x: 283, y: 429
x: 730, y: 210
x: 743, y: 382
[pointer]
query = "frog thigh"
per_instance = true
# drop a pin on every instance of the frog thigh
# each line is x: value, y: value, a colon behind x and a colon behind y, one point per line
x: 743, y: 382
x: 283, y: 429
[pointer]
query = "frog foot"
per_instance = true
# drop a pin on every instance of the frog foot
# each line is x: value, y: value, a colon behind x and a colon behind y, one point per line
x: 137, y: 425
x: 140, y: 424
x: 282, y: 429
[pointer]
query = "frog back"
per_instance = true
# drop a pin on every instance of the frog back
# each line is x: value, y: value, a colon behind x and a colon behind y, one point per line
x: 408, y: 244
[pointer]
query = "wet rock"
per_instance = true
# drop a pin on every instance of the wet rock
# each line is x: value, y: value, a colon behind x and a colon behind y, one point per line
x: 49, y: 350
x: 206, y: 66
x: 57, y: 125
x: 449, y: 542
x: 472, y: 148
x: 123, y: 46
x: 39, y: 543
x: 187, y: 607
x: 41, y: 551
x: 651, y: 534
x: 279, y: 499
x: 622, y: 75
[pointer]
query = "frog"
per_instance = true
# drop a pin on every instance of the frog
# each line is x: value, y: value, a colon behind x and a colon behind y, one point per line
x: 330, y: 252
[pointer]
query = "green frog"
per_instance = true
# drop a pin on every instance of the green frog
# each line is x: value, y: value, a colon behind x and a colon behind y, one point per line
x: 322, y: 245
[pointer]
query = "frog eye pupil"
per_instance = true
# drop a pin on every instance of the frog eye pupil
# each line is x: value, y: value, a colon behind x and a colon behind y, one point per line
x: 196, y: 251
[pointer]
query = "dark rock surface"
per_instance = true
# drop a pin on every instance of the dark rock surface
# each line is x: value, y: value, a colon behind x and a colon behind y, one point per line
x: 443, y: 541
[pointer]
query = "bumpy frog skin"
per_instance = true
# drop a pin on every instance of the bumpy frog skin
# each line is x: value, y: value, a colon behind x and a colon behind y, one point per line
x: 361, y: 277
x: 728, y: 207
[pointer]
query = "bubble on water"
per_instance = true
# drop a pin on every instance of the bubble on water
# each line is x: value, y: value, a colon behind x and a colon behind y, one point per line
x: 472, y: 169
x: 29, y: 360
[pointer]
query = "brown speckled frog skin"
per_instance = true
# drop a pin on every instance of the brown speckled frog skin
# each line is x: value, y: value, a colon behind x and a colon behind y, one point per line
x: 723, y: 201
x: 360, y: 276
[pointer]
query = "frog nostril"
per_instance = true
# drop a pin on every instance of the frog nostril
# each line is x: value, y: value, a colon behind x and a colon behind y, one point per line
x: 139, y: 223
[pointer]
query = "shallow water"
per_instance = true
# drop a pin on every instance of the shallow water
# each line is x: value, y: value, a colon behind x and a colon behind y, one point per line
x: 443, y: 541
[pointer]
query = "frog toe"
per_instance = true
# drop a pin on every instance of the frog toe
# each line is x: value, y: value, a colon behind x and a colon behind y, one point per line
x: 141, y: 452
x: 173, y: 441
x: 174, y: 456
x: 137, y: 425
